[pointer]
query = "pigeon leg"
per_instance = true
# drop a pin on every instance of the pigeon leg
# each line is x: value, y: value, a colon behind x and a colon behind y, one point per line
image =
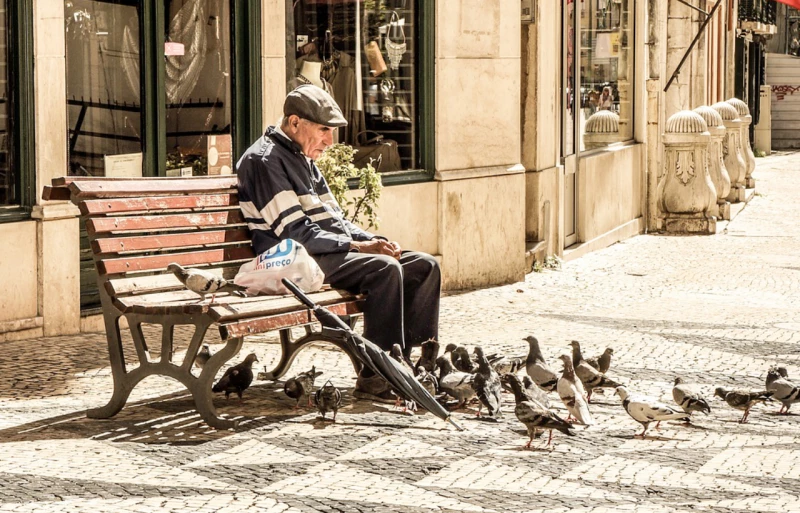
x: 589, y: 397
x: 309, y: 401
x: 550, y: 438
x: 644, y: 430
x: 743, y: 420
x: 657, y: 426
x: 334, y: 415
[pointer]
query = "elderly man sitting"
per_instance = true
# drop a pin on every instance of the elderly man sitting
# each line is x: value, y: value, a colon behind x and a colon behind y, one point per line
x: 283, y: 195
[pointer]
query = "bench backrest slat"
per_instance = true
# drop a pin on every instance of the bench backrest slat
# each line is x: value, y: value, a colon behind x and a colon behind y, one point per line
x: 149, y: 187
x: 161, y: 261
x: 166, y: 241
x: 146, y: 204
x: 99, y: 225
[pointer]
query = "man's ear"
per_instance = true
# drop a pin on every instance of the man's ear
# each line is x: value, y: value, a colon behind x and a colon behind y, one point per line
x: 294, y: 121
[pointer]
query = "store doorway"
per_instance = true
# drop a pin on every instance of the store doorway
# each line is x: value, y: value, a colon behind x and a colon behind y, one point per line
x: 569, y: 111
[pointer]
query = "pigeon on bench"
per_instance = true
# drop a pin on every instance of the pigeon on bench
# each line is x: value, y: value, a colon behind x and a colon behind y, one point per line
x: 204, y: 282
x: 237, y: 378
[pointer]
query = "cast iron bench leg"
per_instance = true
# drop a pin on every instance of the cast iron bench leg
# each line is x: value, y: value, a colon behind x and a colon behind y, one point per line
x: 123, y: 385
x: 290, y: 349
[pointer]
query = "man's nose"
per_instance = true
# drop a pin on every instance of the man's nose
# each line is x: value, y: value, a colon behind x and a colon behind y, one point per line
x: 327, y: 138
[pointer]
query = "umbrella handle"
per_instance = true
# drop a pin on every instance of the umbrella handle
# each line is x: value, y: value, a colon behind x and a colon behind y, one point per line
x: 289, y: 284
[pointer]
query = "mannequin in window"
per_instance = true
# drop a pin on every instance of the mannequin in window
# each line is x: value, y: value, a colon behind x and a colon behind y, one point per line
x: 310, y: 74
x: 606, y: 100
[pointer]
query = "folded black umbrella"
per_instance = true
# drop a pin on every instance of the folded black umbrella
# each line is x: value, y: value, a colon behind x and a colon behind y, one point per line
x: 376, y: 359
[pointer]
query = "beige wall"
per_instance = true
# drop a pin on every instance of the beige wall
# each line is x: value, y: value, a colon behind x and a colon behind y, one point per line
x: 610, y: 190
x: 273, y: 60
x: 18, y: 267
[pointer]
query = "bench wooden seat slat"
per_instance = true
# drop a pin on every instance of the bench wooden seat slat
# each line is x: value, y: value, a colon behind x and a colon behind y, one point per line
x: 139, y: 223
x: 169, y: 241
x: 121, y: 205
x: 159, y: 282
x: 190, y: 258
x: 242, y: 309
x: 147, y: 187
x: 272, y: 322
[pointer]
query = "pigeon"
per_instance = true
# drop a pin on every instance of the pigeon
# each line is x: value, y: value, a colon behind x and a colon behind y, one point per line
x: 537, y: 368
x: 743, y: 399
x: 204, y: 282
x: 463, y: 362
x: 571, y: 393
x: 328, y: 398
x: 602, y: 362
x: 487, y: 385
x: 428, y: 380
x: 645, y: 410
x: 301, y: 386
x: 237, y: 378
x: 532, y: 393
x: 505, y: 365
x: 430, y: 352
x: 202, y: 356
x: 533, y: 415
x: 396, y: 352
x: 590, y: 376
x: 783, y: 390
x: 688, y: 399
x: 455, y: 383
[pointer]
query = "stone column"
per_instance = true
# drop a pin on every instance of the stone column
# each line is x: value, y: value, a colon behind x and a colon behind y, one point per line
x: 730, y: 150
x: 686, y: 194
x: 747, y: 151
x: 716, y: 164
x: 601, y: 129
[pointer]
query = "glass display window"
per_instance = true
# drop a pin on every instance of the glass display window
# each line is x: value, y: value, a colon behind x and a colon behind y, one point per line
x: 364, y: 53
x: 8, y: 185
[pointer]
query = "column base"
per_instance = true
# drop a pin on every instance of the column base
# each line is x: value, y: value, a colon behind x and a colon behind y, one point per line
x: 700, y: 224
x: 724, y: 211
x: 750, y: 183
x: 738, y: 194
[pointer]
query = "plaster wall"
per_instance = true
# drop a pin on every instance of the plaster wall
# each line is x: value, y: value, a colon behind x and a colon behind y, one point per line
x: 19, y: 269
x: 273, y: 60
x: 543, y: 207
x: 610, y: 190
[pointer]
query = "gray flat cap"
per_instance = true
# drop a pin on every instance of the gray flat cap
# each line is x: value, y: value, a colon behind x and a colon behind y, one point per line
x: 312, y: 103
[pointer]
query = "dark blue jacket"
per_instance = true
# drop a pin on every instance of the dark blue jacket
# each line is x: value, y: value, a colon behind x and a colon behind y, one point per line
x: 283, y: 197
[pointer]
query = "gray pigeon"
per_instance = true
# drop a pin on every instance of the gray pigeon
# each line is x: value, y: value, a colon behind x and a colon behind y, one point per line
x: 237, y: 378
x: 204, y: 282
x: 202, y: 356
x: 645, y: 410
x: 506, y: 365
x: 487, y: 385
x: 428, y: 356
x: 590, y: 376
x: 463, y: 361
x: 602, y: 362
x: 743, y: 399
x: 455, y: 383
x: 532, y: 393
x: 571, y: 392
x: 783, y: 390
x: 396, y: 352
x: 301, y: 386
x: 537, y: 368
x: 428, y: 380
x: 533, y: 415
x: 328, y: 398
x: 688, y: 399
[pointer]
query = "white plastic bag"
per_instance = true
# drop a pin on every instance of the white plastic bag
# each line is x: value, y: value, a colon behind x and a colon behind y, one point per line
x: 288, y: 259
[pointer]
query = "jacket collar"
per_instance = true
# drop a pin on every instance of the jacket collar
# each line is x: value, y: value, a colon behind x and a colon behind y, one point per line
x: 273, y: 133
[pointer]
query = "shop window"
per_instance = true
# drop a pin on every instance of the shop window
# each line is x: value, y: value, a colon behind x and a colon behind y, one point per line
x: 606, y: 72
x: 366, y: 54
x: 8, y: 182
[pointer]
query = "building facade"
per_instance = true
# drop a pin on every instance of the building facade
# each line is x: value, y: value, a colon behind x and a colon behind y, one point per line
x: 520, y: 131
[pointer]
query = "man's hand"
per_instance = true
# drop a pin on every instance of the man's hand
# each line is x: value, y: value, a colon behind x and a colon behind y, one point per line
x: 377, y: 247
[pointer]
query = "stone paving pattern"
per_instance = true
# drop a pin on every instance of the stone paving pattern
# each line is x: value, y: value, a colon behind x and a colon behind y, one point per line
x: 716, y: 310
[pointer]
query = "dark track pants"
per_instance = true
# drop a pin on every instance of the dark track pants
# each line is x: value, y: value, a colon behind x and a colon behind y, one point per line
x: 402, y: 304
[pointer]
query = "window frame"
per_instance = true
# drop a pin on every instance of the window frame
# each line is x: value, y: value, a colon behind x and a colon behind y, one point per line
x: 22, y: 101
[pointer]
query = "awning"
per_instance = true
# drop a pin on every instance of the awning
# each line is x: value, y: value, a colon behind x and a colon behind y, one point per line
x: 791, y: 3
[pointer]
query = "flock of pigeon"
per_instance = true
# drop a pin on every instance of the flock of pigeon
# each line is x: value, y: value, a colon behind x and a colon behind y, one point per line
x: 456, y: 374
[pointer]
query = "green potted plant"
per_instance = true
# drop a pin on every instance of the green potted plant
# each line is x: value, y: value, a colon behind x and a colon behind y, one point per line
x: 336, y: 165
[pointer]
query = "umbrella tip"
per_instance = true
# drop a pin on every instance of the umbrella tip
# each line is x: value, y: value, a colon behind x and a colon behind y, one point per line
x: 450, y: 420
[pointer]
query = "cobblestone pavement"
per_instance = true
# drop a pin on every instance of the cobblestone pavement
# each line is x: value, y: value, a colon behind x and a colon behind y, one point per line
x: 716, y: 310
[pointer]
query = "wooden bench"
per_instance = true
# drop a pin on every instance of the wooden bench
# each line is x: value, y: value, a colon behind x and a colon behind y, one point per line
x: 138, y: 226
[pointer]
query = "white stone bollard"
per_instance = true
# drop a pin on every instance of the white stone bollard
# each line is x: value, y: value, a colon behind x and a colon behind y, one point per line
x: 731, y: 154
x: 601, y: 129
x: 716, y: 164
x: 747, y: 151
x: 686, y: 193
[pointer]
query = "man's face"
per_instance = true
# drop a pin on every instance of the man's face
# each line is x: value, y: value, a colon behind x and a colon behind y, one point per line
x: 312, y: 137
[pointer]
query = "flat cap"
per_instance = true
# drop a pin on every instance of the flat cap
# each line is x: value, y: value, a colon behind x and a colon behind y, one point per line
x: 314, y: 104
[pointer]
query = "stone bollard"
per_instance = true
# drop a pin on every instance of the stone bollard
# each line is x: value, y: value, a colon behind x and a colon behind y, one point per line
x: 744, y: 140
x: 716, y: 164
x: 601, y: 129
x: 731, y: 154
x: 685, y: 193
